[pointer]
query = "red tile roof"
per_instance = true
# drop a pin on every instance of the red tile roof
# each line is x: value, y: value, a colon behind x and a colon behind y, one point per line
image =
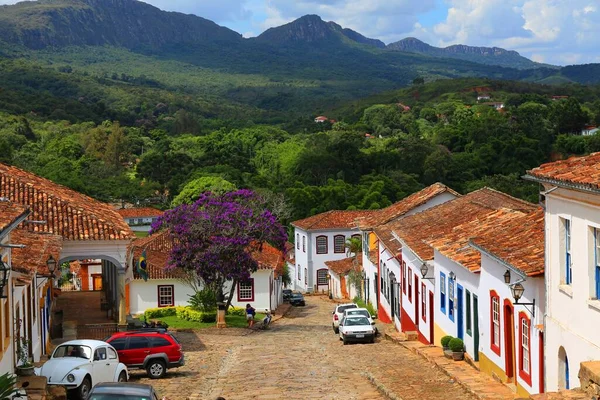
x: 139, y: 212
x: 38, y: 248
x: 518, y: 242
x: 404, y: 206
x: 70, y: 214
x: 344, y: 266
x: 580, y: 172
x: 455, y: 244
x: 386, y: 238
x: 335, y: 219
x: 10, y: 212
x: 434, y: 222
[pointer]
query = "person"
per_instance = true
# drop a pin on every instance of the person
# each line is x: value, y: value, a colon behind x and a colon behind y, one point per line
x: 250, y: 313
x: 267, y: 318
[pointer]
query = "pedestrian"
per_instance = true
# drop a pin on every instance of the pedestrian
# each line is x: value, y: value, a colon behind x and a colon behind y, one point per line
x: 250, y: 313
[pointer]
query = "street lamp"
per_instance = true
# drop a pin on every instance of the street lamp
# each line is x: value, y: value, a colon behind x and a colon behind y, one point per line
x: 51, y: 264
x: 424, y: 271
x: 329, y: 285
x: 4, y: 271
x: 517, y: 292
x: 452, y: 275
x: 507, y: 276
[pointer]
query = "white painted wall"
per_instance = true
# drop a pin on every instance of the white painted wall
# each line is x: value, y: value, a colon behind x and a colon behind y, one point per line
x: 425, y: 324
x: 492, y: 278
x: 7, y: 357
x: 437, y: 200
x: 413, y: 266
x: 370, y: 271
x: 262, y: 292
x: 389, y: 264
x: 144, y: 295
x: 571, y: 309
x: 302, y: 258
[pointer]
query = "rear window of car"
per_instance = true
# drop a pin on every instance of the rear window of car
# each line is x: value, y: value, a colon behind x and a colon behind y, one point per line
x: 174, y: 338
x: 159, y: 342
x: 356, y: 321
x: 358, y: 312
x: 341, y: 309
x: 118, y: 344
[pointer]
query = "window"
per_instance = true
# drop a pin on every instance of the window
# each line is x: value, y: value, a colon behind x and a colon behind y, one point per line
x: 339, y: 244
x: 366, y: 244
x: 495, y: 322
x: 138, y: 342
x: 568, y: 261
x: 381, y: 283
x: 304, y: 244
x: 525, y: 359
x: 100, y: 354
x: 443, y: 292
x: 299, y: 273
x: 404, y: 276
x: 118, y: 344
x: 597, y: 262
x: 451, y: 299
x: 112, y: 355
x: 409, y: 275
x: 306, y: 276
x: 297, y: 241
x: 469, y: 323
x: 166, y: 296
x: 246, y: 290
x: 321, y: 244
x: 159, y: 342
x: 322, y: 277
x: 423, y: 302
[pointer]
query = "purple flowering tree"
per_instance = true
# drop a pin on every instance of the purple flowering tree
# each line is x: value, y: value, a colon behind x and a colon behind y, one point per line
x: 214, y: 238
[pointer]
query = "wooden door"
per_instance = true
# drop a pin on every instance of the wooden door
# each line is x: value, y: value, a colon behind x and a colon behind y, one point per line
x: 96, y: 282
x: 476, y: 327
x: 509, y: 342
x: 431, y: 320
x: 343, y: 287
x: 417, y: 302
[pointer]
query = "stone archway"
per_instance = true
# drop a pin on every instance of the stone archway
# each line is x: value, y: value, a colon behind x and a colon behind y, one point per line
x: 563, y: 369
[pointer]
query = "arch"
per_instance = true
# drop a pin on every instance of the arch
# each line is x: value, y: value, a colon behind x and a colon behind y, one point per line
x: 114, y: 261
x: 563, y: 369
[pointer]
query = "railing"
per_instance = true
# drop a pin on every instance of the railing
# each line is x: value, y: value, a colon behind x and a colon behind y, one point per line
x: 96, y: 331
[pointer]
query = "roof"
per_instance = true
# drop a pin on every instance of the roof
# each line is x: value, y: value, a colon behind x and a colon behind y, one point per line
x: 345, y: 265
x: 335, y: 219
x: 518, y: 242
x: 386, y: 237
x: 70, y: 214
x: 578, y: 172
x: 404, y: 206
x: 455, y: 244
x: 139, y: 212
x: 415, y: 230
x: 10, y: 212
x: 38, y: 248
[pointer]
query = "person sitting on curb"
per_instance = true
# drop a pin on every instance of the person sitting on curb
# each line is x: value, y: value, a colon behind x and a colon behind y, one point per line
x: 250, y: 313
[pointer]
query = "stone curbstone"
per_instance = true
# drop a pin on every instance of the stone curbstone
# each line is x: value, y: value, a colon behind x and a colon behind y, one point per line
x: 381, y: 387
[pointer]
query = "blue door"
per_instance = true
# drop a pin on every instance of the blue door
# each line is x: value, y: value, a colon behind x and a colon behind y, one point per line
x: 567, y: 386
x: 459, y: 311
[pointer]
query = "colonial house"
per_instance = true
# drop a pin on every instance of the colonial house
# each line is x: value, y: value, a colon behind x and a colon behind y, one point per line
x: 318, y: 239
x: 572, y: 266
x: 340, y: 286
x: 320, y: 119
x: 505, y: 317
x: 380, y: 265
x: 423, y: 281
x: 589, y: 130
x: 140, y: 219
x: 166, y: 288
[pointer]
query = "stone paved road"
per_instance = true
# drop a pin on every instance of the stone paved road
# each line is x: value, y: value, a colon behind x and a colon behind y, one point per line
x: 298, y: 358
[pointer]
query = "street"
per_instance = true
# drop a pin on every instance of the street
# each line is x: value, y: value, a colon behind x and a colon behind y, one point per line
x: 299, y: 357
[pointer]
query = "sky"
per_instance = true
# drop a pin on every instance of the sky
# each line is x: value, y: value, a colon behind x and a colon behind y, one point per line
x: 560, y: 32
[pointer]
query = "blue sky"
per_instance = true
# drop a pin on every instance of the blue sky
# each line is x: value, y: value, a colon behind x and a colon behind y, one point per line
x: 559, y: 32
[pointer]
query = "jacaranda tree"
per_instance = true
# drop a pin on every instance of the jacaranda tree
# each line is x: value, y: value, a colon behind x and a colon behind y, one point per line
x: 215, y: 237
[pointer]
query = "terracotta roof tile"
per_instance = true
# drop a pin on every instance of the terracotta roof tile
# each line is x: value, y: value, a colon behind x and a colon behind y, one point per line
x: 386, y: 238
x: 518, y: 242
x: 404, y: 206
x: 583, y: 172
x: 139, y: 212
x: 9, y: 213
x: 344, y: 266
x: 70, y: 214
x: 335, y: 219
x: 434, y: 222
x: 38, y: 247
x: 455, y: 244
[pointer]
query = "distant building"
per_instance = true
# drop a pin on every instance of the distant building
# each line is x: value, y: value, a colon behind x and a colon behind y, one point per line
x: 496, y: 104
x: 589, y: 130
x: 403, y: 107
x: 483, y: 96
x: 320, y: 119
x: 559, y: 97
x: 140, y: 218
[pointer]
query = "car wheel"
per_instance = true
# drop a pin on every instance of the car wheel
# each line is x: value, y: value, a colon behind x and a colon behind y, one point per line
x: 345, y: 342
x: 122, y: 377
x: 373, y: 339
x: 156, y: 369
x: 83, y: 390
x: 336, y: 330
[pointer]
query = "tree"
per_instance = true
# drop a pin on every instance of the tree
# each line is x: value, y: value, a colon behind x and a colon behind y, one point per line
x: 193, y: 189
x: 216, y: 236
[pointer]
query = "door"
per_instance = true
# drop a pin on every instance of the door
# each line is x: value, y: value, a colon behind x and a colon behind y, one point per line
x: 541, y: 361
x: 96, y: 282
x: 322, y: 283
x: 343, y: 287
x: 392, y: 299
x: 137, y: 350
x: 567, y: 385
x: 476, y: 327
x: 459, y: 312
x: 509, y: 342
x: 376, y: 287
x: 431, y: 314
x: 417, y: 301
x: 101, y: 365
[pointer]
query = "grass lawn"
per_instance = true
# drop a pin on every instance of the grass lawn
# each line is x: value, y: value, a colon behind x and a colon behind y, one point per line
x: 140, y: 234
x: 233, y: 321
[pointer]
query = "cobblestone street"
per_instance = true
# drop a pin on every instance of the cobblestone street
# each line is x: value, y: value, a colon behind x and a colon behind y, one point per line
x: 298, y: 358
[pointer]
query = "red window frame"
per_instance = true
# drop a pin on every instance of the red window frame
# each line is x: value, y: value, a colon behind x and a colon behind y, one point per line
x: 526, y: 376
x: 495, y: 347
x: 239, y: 287
x: 409, y: 277
x: 423, y: 302
x: 335, y: 245
x: 326, y: 244
x: 172, y: 295
x: 404, y: 276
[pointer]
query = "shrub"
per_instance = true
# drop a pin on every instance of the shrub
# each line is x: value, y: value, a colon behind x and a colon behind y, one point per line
x: 237, y: 311
x: 445, y: 340
x: 362, y: 304
x: 152, y: 313
x: 189, y: 314
x: 204, y: 300
x: 456, y: 345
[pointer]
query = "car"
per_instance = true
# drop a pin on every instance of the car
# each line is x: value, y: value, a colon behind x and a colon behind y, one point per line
x: 287, y: 293
x: 297, y: 299
x: 361, y: 311
x: 356, y: 328
x: 154, y: 350
x: 338, y: 313
x: 122, y: 391
x: 79, y: 364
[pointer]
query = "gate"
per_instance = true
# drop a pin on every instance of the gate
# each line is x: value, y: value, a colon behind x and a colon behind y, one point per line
x: 96, y: 331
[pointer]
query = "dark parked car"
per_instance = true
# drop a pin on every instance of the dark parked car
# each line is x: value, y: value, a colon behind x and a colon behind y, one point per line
x: 122, y: 391
x: 296, y: 299
x: 287, y: 293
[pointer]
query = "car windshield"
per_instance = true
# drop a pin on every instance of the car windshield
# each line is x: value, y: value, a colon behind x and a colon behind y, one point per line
x: 356, y: 321
x: 297, y: 295
x: 358, y: 312
x: 72, y: 350
x: 341, y: 309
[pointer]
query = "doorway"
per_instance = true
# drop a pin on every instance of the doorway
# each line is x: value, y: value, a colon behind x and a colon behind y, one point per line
x: 563, y: 369
x: 417, y: 302
x: 509, y: 342
x: 392, y: 296
x: 96, y: 282
x: 460, y: 313
x: 431, y: 313
x: 541, y: 361
x: 476, y: 327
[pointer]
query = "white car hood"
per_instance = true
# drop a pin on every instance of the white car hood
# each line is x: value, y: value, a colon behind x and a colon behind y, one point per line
x: 357, y: 328
x: 57, y: 368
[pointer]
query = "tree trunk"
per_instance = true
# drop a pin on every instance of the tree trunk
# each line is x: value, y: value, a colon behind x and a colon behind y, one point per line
x: 231, y: 292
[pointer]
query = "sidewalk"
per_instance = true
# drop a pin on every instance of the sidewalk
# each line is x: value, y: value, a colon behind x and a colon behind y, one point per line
x: 479, y: 385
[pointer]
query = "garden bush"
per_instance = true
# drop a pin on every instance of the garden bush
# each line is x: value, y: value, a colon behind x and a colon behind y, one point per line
x: 189, y: 314
x: 361, y: 303
x: 152, y: 313
x: 456, y: 345
x: 204, y: 300
x: 237, y: 311
x: 445, y: 340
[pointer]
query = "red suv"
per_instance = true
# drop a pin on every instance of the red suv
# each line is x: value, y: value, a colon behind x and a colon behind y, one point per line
x: 152, y: 350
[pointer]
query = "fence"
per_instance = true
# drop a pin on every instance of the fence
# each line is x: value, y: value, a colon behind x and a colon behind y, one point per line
x: 96, y: 331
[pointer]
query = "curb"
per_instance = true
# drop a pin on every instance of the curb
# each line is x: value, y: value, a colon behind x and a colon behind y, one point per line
x: 381, y: 387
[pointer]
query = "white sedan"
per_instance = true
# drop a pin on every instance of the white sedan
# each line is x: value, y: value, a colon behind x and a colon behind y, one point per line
x: 80, y: 364
x: 356, y: 328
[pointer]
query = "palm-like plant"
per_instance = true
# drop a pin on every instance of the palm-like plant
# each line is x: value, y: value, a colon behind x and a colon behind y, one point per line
x: 353, y: 248
x: 7, y: 385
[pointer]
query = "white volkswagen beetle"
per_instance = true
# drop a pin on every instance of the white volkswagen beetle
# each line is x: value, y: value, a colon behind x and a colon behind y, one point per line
x: 80, y: 364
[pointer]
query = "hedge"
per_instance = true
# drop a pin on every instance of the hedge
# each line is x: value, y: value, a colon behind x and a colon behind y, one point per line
x: 237, y: 311
x: 189, y: 314
x: 153, y: 313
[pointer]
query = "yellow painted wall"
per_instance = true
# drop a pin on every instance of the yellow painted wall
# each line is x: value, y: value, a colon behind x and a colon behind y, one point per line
x: 438, y: 333
x: 372, y: 241
x: 487, y: 367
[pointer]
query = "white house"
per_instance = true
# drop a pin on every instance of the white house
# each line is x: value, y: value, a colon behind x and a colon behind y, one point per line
x: 589, y: 130
x: 166, y: 288
x: 572, y: 269
x: 510, y: 333
x: 140, y: 218
x: 318, y: 239
x: 340, y: 286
